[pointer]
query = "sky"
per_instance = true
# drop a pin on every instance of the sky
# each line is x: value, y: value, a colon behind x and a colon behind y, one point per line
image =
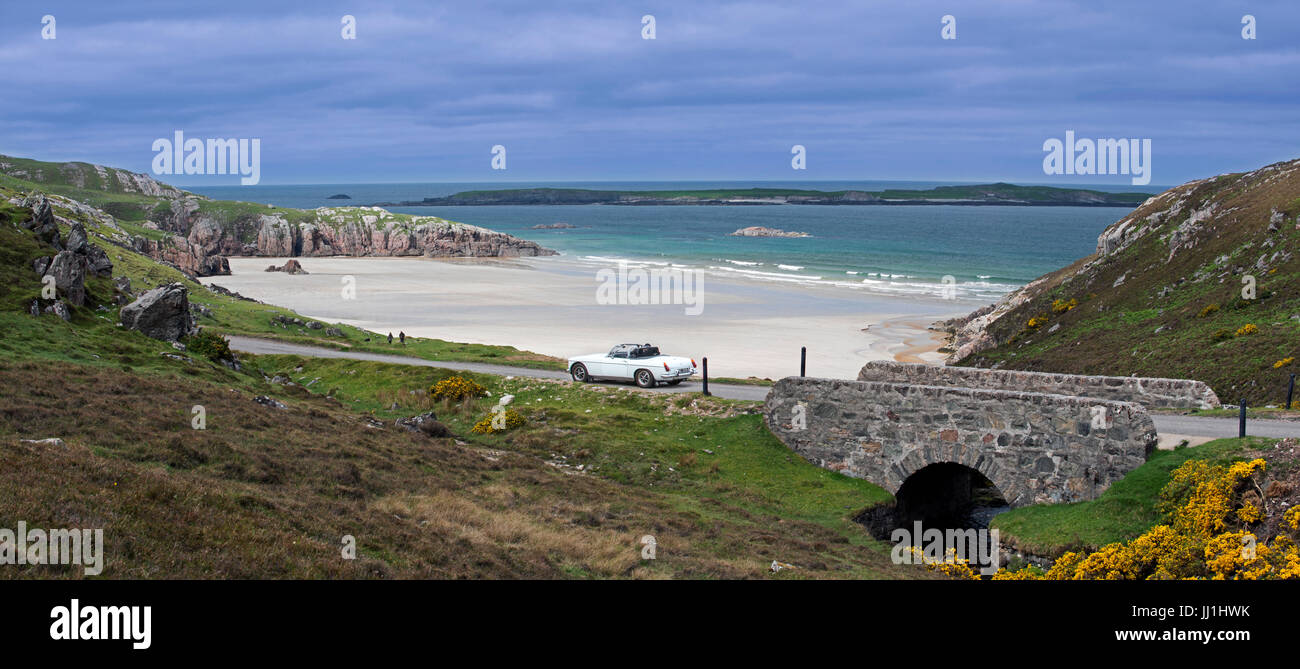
x: 574, y: 92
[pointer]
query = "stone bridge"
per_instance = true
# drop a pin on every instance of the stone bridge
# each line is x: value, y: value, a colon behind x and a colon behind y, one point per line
x: 1035, y: 447
x: 1149, y: 392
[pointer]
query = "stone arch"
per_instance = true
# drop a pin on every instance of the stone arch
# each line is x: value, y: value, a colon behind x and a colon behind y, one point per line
x: 1009, y: 484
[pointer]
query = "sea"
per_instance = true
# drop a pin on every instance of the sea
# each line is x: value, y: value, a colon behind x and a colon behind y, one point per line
x: 983, y: 251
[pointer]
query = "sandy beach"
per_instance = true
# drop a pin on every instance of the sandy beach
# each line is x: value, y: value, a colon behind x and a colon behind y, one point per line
x: 550, y: 305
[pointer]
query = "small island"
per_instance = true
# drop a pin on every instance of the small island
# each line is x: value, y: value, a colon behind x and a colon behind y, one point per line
x: 339, y: 196
x: 760, y: 231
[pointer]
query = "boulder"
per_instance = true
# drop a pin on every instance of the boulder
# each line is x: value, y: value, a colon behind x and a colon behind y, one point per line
x: 59, y: 309
x: 79, y: 242
x: 69, y: 271
x: 289, y: 267
x: 162, y: 313
x: 269, y: 402
x: 50, y: 441
x: 425, y: 423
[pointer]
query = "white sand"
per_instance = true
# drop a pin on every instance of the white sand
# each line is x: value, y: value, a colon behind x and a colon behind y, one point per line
x: 549, y: 305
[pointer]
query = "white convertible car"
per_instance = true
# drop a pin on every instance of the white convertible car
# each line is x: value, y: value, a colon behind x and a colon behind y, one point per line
x: 641, y: 363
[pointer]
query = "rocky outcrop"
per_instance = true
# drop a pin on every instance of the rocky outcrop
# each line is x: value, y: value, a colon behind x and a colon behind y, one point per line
x: 553, y: 226
x: 200, y: 241
x: 69, y: 271
x: 76, y: 260
x: 97, y: 262
x: 760, y: 231
x: 425, y: 423
x: 162, y: 313
x: 375, y: 232
x: 289, y: 267
x: 42, y: 220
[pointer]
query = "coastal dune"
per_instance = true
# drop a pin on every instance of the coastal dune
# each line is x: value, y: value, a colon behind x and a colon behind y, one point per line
x: 550, y: 306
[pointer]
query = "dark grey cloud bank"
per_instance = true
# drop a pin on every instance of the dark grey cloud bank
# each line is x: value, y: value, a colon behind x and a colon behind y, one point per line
x: 574, y: 92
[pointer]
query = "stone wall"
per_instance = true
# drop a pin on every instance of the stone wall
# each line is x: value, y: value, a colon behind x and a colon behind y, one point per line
x: 1037, y: 448
x: 1175, y: 393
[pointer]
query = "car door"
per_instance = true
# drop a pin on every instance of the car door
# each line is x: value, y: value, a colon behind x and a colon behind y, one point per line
x: 616, y: 365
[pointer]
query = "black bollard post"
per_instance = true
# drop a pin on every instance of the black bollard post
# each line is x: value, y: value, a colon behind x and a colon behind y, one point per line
x: 706, y: 376
x: 1241, y: 428
x: 803, y: 361
x: 1290, y: 390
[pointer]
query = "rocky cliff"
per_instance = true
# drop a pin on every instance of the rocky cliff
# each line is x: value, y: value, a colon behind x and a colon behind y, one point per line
x: 1198, y: 282
x: 202, y: 234
x: 196, y: 234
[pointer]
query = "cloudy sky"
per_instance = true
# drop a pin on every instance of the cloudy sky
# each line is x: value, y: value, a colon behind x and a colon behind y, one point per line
x: 724, y: 90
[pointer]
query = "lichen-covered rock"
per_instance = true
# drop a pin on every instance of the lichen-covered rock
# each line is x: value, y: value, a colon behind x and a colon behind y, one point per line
x: 69, y: 271
x: 59, y: 309
x: 162, y: 313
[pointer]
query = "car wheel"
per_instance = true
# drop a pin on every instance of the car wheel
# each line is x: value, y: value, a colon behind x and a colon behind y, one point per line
x: 644, y: 378
x: 579, y: 373
x: 674, y: 382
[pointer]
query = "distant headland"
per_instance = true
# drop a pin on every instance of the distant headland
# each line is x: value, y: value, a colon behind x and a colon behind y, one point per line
x: 989, y: 194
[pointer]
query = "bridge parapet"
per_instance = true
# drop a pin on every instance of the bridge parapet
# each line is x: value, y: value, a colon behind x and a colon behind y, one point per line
x: 1036, y: 447
x: 1149, y: 392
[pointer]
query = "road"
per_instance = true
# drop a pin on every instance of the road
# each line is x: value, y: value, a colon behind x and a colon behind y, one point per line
x: 1166, y: 424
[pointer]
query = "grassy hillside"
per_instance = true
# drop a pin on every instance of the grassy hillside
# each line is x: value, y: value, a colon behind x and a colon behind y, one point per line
x: 1163, y: 295
x: 265, y: 492
x: 1124, y: 511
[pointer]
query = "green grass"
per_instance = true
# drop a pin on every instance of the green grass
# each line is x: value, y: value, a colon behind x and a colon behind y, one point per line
x: 1124, y: 511
x: 627, y: 436
x: 723, y: 496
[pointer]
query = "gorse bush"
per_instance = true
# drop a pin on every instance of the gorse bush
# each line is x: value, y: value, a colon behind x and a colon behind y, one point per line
x: 209, y: 345
x: 1209, y: 309
x: 1247, y: 329
x: 499, y: 421
x: 1283, y: 363
x: 456, y: 388
x: 1210, y: 511
x: 1062, y: 306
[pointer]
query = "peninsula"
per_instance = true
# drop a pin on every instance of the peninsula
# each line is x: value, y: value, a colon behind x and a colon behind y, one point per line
x: 988, y: 194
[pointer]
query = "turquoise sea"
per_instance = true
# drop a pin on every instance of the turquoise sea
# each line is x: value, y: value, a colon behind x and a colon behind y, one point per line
x: 899, y: 250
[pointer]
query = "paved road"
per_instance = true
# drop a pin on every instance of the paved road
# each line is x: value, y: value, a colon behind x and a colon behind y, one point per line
x: 1192, y: 426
